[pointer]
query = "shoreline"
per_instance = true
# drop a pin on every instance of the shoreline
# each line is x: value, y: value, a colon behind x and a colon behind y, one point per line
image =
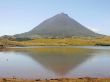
x: 86, y: 79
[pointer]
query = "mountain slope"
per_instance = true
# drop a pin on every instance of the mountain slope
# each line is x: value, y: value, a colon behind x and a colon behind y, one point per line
x: 60, y: 25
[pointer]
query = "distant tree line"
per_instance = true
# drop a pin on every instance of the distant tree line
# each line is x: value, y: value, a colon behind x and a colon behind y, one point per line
x: 23, y: 39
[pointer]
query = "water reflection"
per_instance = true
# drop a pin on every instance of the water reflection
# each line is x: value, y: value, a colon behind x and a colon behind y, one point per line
x: 96, y: 66
x: 22, y: 66
x: 52, y: 62
x: 60, y: 63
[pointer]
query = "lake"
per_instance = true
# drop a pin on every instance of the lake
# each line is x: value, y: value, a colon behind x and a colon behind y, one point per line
x: 55, y: 62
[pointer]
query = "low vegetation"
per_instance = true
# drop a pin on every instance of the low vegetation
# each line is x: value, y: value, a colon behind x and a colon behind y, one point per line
x: 59, y: 80
x: 6, y: 42
x: 76, y: 41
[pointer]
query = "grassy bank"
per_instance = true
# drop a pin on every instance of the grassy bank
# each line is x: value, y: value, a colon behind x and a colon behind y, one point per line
x: 78, y: 41
x: 84, y: 41
x: 59, y: 80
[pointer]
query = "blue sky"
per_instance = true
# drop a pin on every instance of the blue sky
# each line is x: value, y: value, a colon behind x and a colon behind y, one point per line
x: 17, y: 16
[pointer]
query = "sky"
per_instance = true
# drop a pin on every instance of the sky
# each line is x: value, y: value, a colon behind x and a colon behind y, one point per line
x: 18, y: 16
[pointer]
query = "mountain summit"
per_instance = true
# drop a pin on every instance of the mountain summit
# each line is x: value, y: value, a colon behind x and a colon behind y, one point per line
x: 58, y: 26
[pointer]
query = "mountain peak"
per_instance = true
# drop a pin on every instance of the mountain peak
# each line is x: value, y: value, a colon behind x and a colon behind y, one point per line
x: 62, y: 15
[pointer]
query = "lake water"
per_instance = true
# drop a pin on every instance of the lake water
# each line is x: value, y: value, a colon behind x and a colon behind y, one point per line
x: 55, y: 62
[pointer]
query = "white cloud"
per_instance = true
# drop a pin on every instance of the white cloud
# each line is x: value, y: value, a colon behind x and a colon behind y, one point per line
x: 93, y: 29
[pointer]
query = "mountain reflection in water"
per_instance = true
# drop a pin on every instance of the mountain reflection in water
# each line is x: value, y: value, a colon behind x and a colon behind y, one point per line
x: 49, y: 62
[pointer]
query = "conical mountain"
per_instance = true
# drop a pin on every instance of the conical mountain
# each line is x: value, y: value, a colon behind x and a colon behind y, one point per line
x: 60, y: 25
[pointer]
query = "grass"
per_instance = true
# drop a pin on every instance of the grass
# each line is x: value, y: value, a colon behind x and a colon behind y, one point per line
x: 78, y: 41
x: 60, y: 80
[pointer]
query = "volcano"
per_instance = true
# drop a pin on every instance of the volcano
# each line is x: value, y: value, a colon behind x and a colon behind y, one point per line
x: 58, y: 26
